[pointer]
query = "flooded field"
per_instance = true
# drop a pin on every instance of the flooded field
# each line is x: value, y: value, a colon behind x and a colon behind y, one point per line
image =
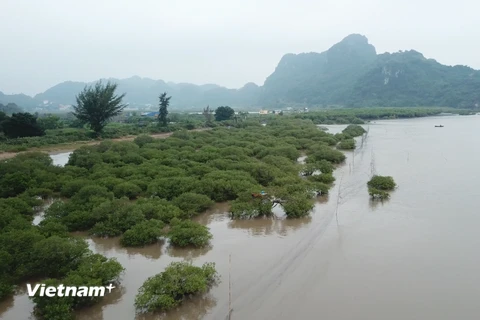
x: 412, y: 257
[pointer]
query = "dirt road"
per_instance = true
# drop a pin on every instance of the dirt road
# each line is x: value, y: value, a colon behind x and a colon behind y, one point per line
x: 60, y: 148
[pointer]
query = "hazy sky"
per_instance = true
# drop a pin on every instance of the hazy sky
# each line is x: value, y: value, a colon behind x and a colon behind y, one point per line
x: 228, y: 42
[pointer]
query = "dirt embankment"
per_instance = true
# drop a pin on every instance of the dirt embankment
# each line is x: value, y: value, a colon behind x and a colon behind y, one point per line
x: 60, y: 148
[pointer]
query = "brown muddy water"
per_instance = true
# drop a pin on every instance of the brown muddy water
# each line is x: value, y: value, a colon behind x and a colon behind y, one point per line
x: 412, y: 257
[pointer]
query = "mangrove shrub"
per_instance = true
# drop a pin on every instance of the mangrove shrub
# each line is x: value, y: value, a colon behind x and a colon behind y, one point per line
x: 169, y: 288
x: 184, y: 233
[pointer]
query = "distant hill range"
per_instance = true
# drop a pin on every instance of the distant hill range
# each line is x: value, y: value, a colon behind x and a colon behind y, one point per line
x: 349, y: 74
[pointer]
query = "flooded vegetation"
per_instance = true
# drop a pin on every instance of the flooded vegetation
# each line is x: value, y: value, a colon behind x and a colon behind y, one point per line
x: 350, y: 258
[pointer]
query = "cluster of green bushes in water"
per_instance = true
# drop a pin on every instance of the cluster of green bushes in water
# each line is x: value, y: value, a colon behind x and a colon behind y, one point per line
x: 147, y: 189
x: 379, y: 186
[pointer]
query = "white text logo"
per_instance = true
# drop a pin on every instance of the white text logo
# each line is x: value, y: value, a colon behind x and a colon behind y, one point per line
x: 66, y: 291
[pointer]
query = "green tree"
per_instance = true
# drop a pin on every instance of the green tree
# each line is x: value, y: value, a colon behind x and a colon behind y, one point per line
x: 224, y: 113
x: 21, y: 125
x: 97, y: 104
x: 163, y: 110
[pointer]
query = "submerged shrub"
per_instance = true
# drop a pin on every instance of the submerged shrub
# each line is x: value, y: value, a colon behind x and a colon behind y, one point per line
x: 168, y: 289
x: 188, y: 233
x: 254, y: 208
x: 142, y: 234
x: 297, y: 206
x: 347, y: 144
x: 385, y: 183
x: 354, y: 130
x: 323, y: 152
x: 378, y: 194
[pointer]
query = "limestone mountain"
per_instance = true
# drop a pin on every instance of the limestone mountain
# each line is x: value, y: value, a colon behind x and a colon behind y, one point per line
x: 319, y: 78
x: 350, y: 73
x: 409, y: 79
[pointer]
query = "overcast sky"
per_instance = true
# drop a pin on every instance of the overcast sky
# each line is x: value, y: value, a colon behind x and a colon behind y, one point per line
x: 227, y: 42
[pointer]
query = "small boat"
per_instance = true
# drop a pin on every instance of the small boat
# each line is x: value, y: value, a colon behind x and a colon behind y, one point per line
x: 439, y: 126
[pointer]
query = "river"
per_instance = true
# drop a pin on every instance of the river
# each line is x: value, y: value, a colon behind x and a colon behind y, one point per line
x: 414, y: 256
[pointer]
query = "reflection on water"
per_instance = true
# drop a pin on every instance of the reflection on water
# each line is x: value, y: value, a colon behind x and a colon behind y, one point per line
x: 322, y: 199
x: 60, y: 159
x: 376, y: 203
x: 109, y: 245
x: 187, y: 253
x: 269, y: 226
x: 6, y: 305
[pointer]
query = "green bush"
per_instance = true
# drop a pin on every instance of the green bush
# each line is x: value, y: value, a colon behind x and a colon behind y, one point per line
x: 184, y: 233
x: 93, y: 270
x: 56, y: 256
x: 116, y: 217
x: 168, y: 289
x: 354, y: 130
x: 347, y: 144
x: 72, y: 187
x: 142, y: 234
x: 384, y: 183
x: 127, y: 189
x: 326, y: 178
x: 242, y: 209
x: 192, y: 203
x: 143, y: 139
x: 297, y: 206
x: 159, y: 209
x: 378, y: 194
x: 322, y: 152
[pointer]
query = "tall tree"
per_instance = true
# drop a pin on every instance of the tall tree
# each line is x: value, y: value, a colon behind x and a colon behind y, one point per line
x: 97, y: 104
x: 21, y: 125
x: 207, y: 113
x: 224, y: 113
x: 163, y: 111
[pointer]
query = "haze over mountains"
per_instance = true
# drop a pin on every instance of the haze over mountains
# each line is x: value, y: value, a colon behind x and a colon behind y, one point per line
x: 350, y: 74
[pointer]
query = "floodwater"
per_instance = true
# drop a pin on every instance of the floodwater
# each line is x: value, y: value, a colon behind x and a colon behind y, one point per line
x: 414, y: 256
x: 60, y: 159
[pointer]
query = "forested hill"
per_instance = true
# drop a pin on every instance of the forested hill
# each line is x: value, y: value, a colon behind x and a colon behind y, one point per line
x: 350, y: 74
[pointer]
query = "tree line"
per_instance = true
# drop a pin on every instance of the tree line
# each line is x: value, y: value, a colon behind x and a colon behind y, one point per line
x: 96, y: 106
